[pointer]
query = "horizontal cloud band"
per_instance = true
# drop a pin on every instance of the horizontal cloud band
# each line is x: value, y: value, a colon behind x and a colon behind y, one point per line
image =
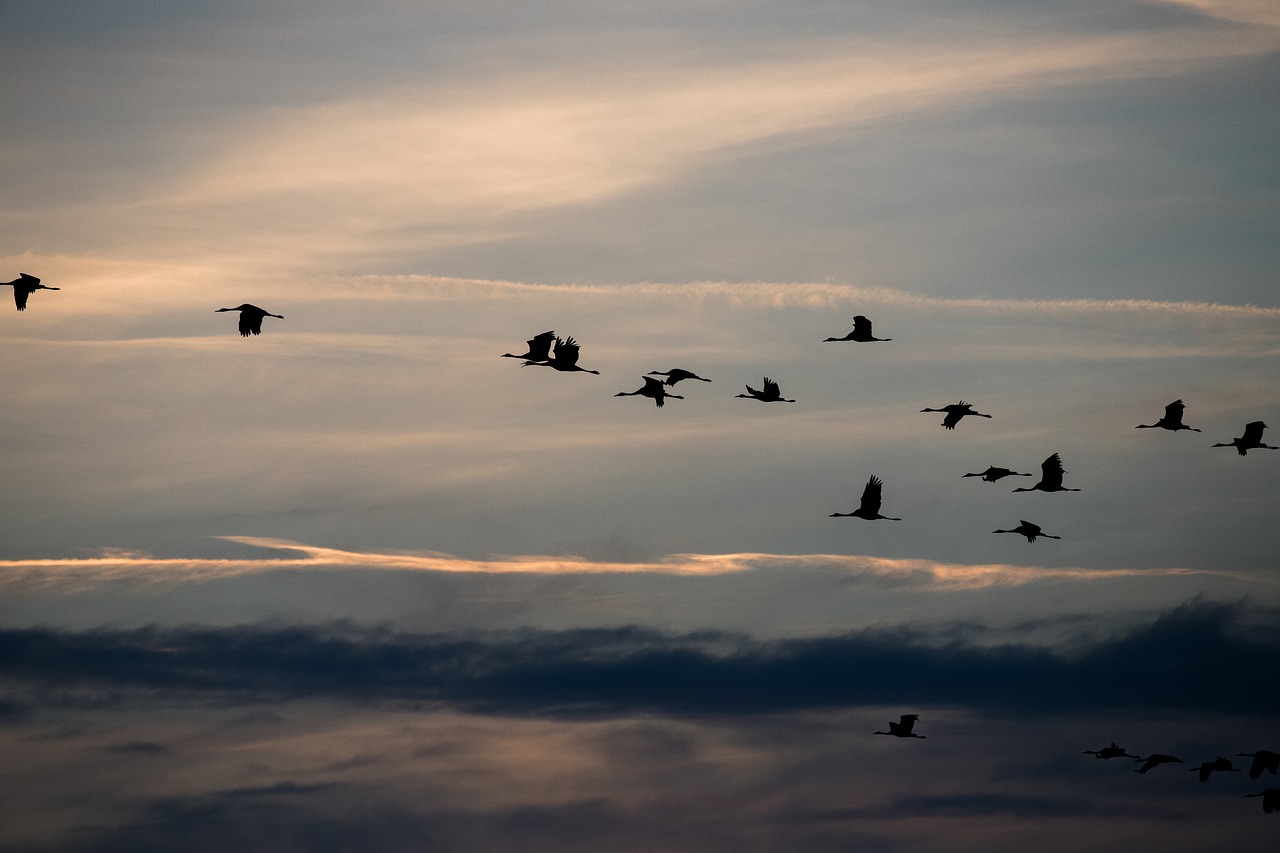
x: 1226, y: 648
x: 19, y: 576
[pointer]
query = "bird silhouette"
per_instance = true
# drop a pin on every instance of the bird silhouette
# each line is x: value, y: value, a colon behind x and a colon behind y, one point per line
x: 676, y: 374
x: 1029, y: 530
x: 653, y: 388
x: 1270, y: 799
x: 1155, y: 760
x: 539, y: 348
x: 1207, y: 768
x: 1263, y: 759
x: 993, y: 473
x: 861, y: 332
x: 23, y: 286
x: 1251, y: 440
x: 1050, y: 477
x: 870, y: 506
x: 564, y: 359
x: 770, y: 394
x: 1109, y: 752
x: 1172, y: 419
x: 903, y: 728
x: 956, y: 411
x: 250, y: 318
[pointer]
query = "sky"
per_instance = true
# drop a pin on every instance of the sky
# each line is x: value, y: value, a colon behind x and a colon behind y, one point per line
x: 362, y: 583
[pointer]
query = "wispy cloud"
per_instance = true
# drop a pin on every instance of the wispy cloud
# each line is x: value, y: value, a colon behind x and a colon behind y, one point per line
x: 19, y: 576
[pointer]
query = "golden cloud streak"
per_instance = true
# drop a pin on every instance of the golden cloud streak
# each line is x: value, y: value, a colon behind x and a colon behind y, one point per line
x: 78, y: 574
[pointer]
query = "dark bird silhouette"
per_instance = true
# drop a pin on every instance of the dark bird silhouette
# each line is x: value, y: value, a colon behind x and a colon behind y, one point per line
x: 770, y: 394
x: 23, y: 286
x: 993, y: 473
x: 956, y: 411
x: 1263, y: 759
x: 1219, y: 764
x: 1050, y: 477
x: 870, y: 506
x: 653, y: 389
x: 1172, y: 419
x: 565, y: 358
x: 1270, y: 799
x: 676, y: 374
x: 1251, y: 440
x: 1155, y: 760
x: 861, y: 332
x: 539, y: 348
x: 1115, y: 750
x: 903, y: 728
x: 1029, y: 530
x: 250, y: 318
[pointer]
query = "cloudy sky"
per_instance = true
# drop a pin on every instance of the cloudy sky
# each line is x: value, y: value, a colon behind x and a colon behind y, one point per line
x: 362, y: 583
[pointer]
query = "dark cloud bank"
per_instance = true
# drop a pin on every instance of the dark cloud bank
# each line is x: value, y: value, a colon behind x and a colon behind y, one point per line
x: 1200, y: 656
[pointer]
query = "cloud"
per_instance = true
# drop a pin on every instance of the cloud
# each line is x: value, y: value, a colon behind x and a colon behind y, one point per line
x: 633, y: 670
x: 114, y: 565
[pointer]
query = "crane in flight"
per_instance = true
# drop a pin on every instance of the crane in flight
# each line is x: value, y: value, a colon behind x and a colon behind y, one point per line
x: 677, y: 374
x: 1270, y: 799
x: 250, y: 318
x: 993, y: 473
x: 903, y: 728
x: 769, y: 394
x: 1207, y: 768
x: 870, y: 505
x: 1050, y: 477
x: 652, y: 389
x: 861, y: 332
x: 956, y: 411
x: 564, y: 359
x: 1155, y: 760
x: 1251, y: 440
x: 1172, y: 419
x: 1029, y: 530
x: 1263, y: 759
x: 539, y: 348
x: 23, y: 286
x: 1115, y: 750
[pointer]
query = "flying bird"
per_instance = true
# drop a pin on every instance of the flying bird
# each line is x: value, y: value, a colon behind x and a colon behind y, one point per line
x: 564, y: 359
x: 956, y: 411
x: 870, y: 506
x: 770, y: 394
x: 1172, y: 419
x: 250, y: 318
x: 1155, y: 760
x: 1108, y: 752
x: 1029, y: 530
x: 1263, y: 759
x: 1050, y: 477
x: 861, y: 332
x: 993, y: 473
x: 1251, y: 440
x: 653, y: 389
x: 1219, y: 764
x: 676, y: 374
x: 23, y: 286
x: 903, y: 728
x: 1270, y: 799
x: 539, y: 348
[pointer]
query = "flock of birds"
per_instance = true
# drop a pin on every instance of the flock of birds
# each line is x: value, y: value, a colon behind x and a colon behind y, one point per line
x: 547, y: 349
x: 1263, y: 760
x: 561, y: 354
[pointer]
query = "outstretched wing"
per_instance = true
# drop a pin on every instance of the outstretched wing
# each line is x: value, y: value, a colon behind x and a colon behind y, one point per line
x: 567, y: 352
x: 1052, y: 471
x: 653, y: 388
x: 861, y: 326
x: 871, y: 497
x: 540, y: 346
x: 1252, y: 431
x: 1173, y: 412
x: 771, y: 388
